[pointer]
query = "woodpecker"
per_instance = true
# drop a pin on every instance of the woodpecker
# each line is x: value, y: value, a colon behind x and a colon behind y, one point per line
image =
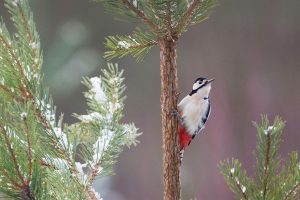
x: 193, y: 112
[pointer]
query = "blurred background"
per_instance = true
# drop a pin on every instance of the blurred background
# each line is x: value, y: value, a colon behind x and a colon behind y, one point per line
x: 251, y: 48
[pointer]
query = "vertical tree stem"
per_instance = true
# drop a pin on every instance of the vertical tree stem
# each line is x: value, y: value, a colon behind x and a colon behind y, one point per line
x: 169, y: 90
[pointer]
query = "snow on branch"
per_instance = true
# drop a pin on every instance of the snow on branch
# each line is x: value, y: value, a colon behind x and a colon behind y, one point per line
x: 38, y: 152
x: 106, y: 102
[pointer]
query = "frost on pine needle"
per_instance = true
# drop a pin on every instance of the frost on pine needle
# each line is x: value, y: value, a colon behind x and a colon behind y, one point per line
x: 23, y: 115
x: 62, y: 137
x: 243, y: 189
x: 123, y: 44
x: 101, y: 145
x: 97, y: 89
x: 131, y: 133
x: 95, y: 194
x: 268, y: 130
x: 90, y: 117
x: 232, y: 170
x: 15, y: 2
x: 108, y: 135
x: 57, y: 163
x: 34, y: 45
x: 81, y: 175
x: 2, y: 81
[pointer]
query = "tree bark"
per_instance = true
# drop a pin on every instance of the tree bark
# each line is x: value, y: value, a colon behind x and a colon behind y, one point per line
x: 169, y: 91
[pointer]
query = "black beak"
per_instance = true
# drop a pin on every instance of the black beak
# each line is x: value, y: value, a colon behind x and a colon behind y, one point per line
x: 210, y: 80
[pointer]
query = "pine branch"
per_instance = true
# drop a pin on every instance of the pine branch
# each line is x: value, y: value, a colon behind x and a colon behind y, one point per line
x: 12, y: 154
x: 183, y: 22
x: 237, y: 179
x: 15, y: 185
x: 29, y: 148
x: 293, y: 190
x: 131, y: 9
x: 239, y: 186
x: 39, y: 152
x: 105, y: 101
x: 272, y: 183
x: 9, y: 93
x: 169, y: 20
x: 195, y: 13
x: 140, y: 14
x: 137, y: 45
x: 8, y: 47
x: 23, y: 22
x: 266, y: 167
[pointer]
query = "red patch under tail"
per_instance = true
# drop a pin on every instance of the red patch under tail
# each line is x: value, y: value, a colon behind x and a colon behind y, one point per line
x: 184, y: 138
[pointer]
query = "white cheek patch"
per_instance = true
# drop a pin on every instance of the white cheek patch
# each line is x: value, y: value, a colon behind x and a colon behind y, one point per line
x: 196, y: 85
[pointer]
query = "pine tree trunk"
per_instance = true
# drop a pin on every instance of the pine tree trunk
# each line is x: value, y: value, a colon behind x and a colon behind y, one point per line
x: 169, y: 90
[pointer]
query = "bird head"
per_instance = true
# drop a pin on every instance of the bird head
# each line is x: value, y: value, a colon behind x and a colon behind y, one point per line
x: 202, y: 85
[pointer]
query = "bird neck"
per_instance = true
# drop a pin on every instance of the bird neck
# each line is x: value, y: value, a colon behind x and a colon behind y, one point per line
x: 203, y: 92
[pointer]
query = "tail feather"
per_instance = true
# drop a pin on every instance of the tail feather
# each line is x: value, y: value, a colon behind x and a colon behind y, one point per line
x: 181, y: 155
x: 184, y: 140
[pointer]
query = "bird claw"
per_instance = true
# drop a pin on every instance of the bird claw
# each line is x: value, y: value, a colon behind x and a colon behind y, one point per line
x: 178, y: 94
x: 175, y: 113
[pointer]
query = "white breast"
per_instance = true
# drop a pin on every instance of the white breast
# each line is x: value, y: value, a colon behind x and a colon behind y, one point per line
x: 192, y: 109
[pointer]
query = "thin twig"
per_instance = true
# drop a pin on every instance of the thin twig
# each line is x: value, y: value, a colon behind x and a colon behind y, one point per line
x: 187, y: 15
x: 29, y: 150
x: 238, y: 185
x: 137, y: 46
x: 169, y: 20
x: 141, y: 15
x: 12, y: 154
x: 8, y: 92
x: 14, y: 56
x: 30, y: 37
x: 291, y: 191
x: 14, y: 183
x: 266, y: 166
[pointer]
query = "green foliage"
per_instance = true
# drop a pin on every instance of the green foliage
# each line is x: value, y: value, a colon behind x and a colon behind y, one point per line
x: 137, y: 45
x: 273, y: 180
x: 38, y: 153
x: 102, y: 123
x: 162, y: 18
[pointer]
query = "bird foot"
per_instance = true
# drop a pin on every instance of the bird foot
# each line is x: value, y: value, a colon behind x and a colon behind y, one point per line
x: 175, y: 113
x: 178, y: 94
